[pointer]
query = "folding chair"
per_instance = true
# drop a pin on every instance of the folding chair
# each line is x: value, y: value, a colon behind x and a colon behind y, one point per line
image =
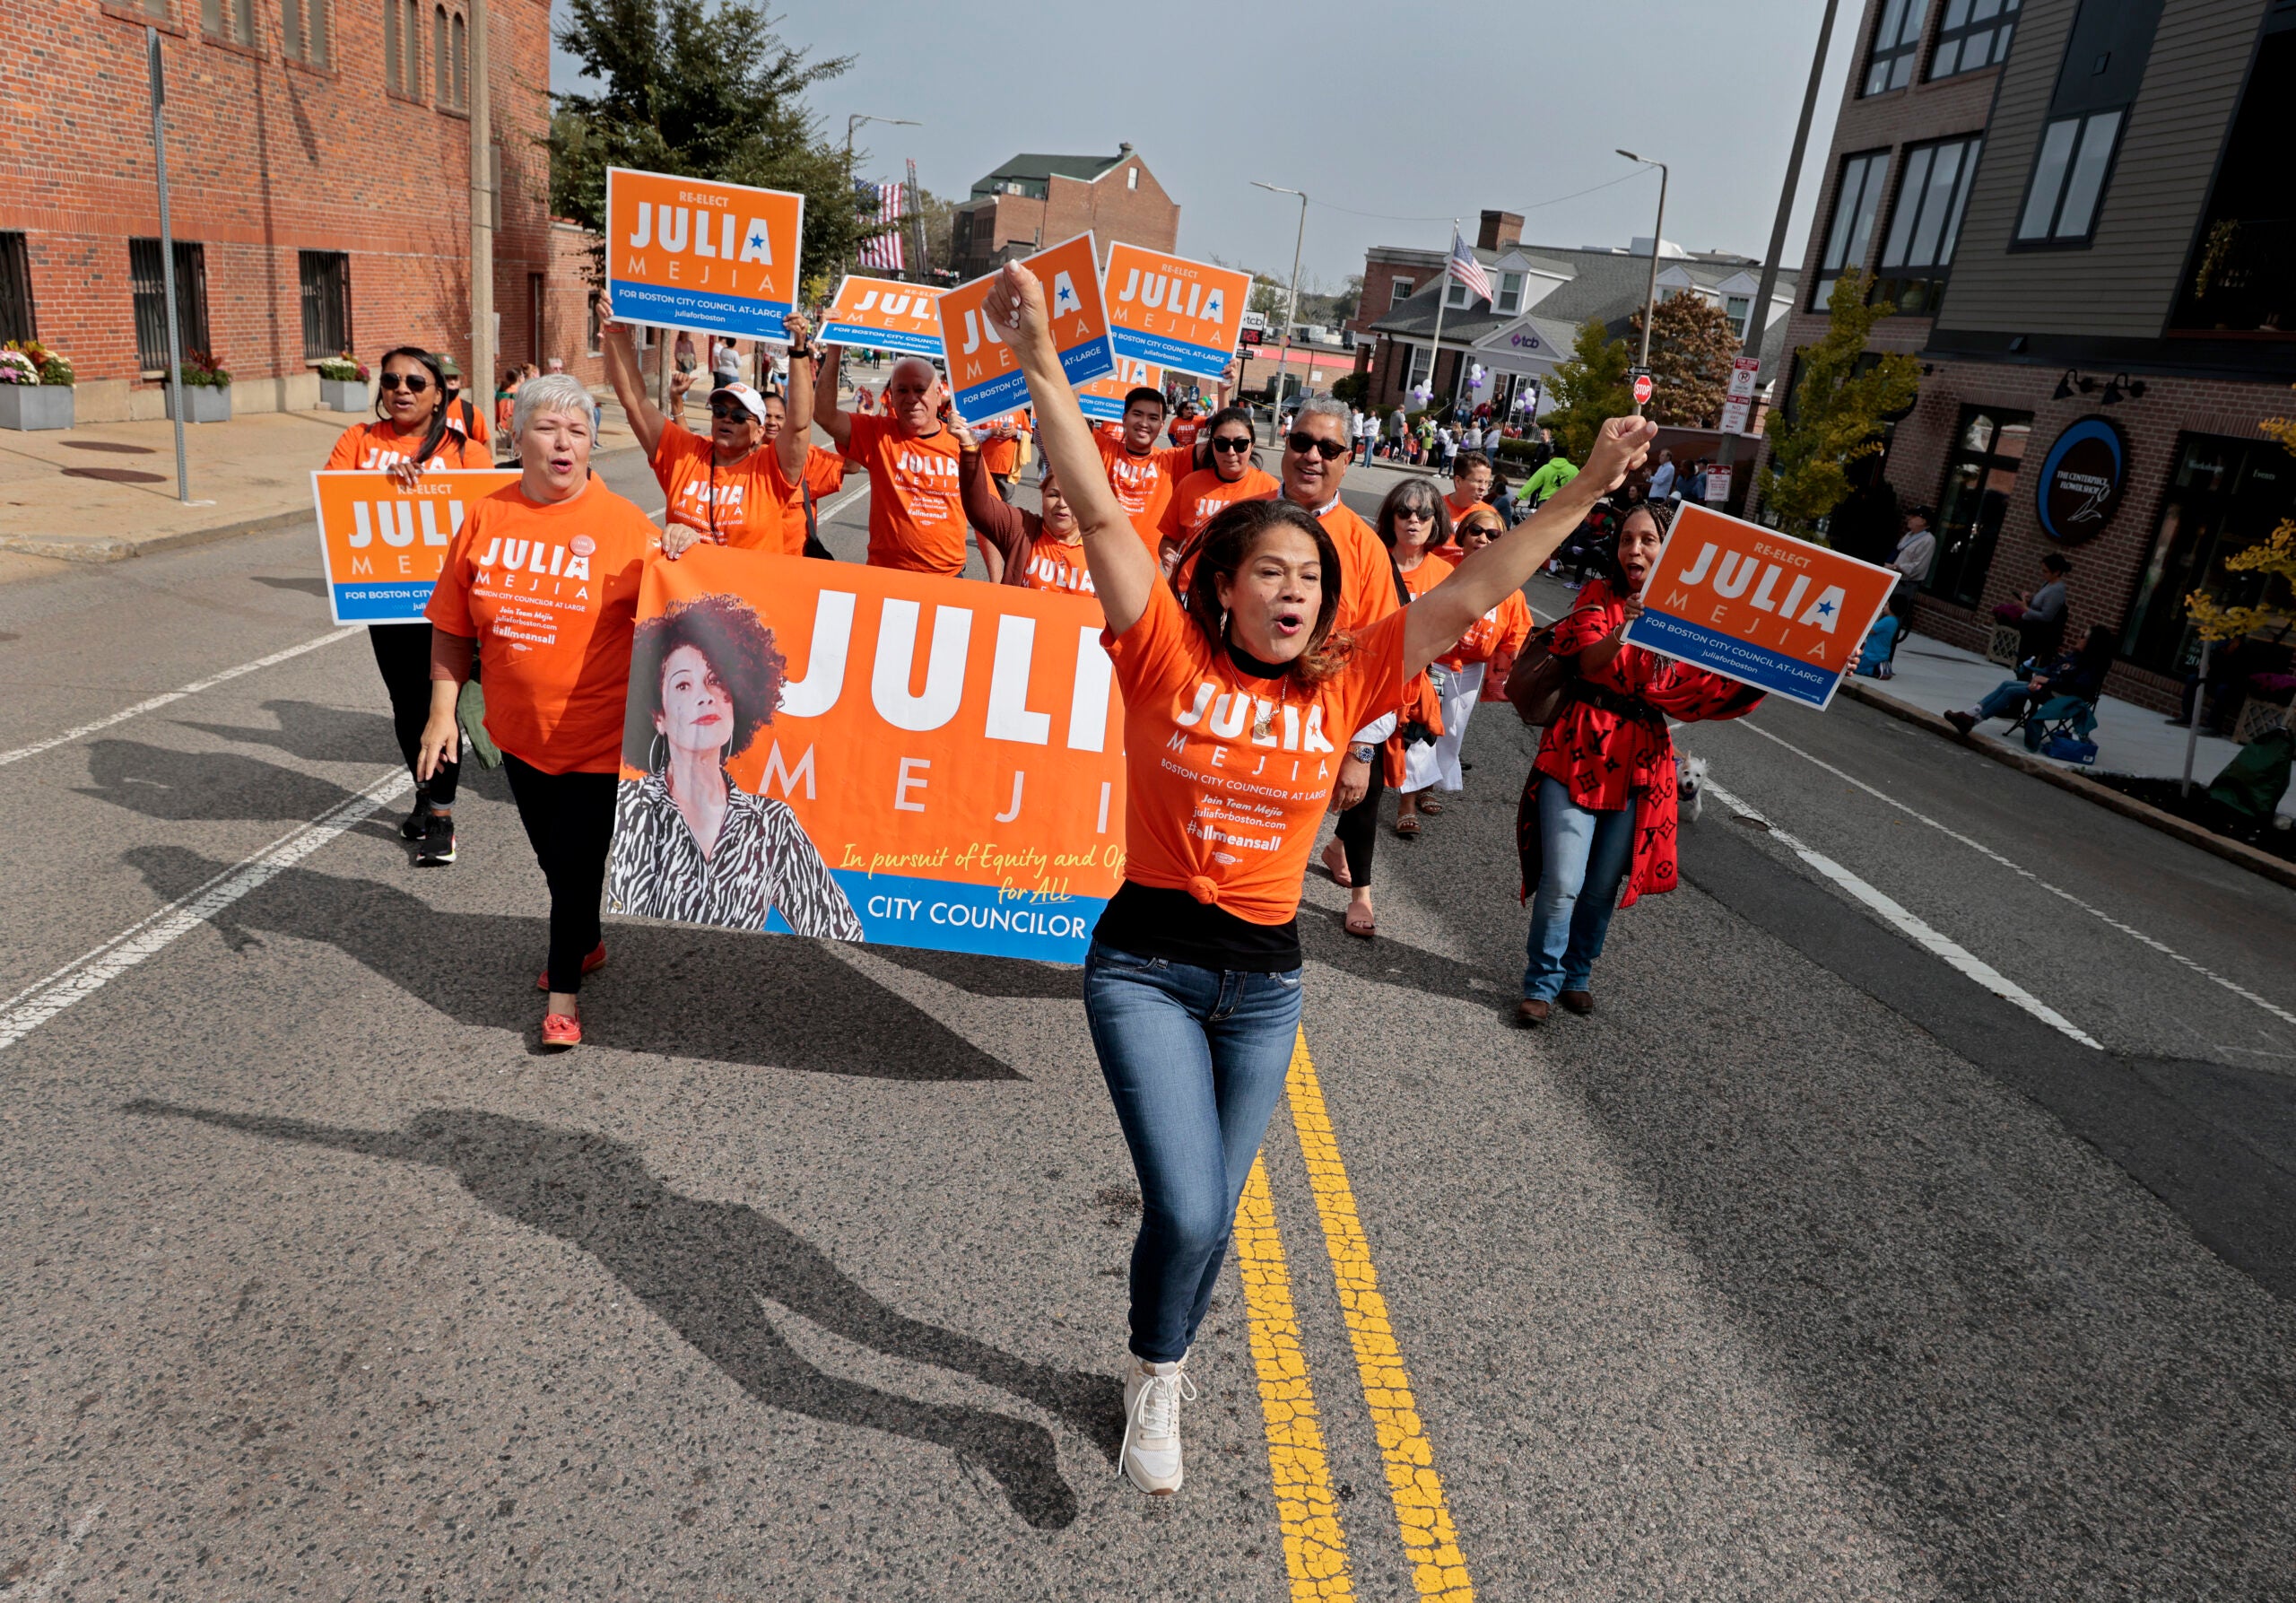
x: 2060, y: 728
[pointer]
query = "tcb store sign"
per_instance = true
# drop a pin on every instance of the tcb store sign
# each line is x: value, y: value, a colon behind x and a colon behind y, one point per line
x: 2081, y: 480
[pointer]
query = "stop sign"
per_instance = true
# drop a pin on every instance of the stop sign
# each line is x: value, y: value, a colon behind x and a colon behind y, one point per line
x: 1642, y: 388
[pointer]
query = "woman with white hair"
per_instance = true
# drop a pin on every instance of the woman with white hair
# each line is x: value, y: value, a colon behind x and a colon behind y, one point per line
x: 542, y: 584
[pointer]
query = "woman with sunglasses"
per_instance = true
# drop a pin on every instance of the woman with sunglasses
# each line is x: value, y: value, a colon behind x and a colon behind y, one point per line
x: 1482, y: 657
x: 1202, y: 495
x: 1414, y: 524
x: 410, y: 433
x: 1233, y: 696
x: 723, y: 489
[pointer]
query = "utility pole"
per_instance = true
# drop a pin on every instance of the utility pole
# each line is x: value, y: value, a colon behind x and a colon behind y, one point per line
x: 1658, y: 238
x: 1758, y: 315
x: 480, y: 379
x: 1292, y: 306
x: 851, y: 123
x: 167, y: 259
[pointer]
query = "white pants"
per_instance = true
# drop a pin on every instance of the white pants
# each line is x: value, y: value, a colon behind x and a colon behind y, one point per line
x: 1439, y: 764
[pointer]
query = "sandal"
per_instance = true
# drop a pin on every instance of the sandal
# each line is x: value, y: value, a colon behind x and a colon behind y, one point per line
x: 1407, y: 826
x: 1365, y: 930
x: 1429, y: 805
x: 1335, y: 865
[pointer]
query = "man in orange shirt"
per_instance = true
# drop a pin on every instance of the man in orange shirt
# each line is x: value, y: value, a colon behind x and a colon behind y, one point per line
x: 1233, y: 477
x: 917, y: 520
x: 1142, y: 476
x: 1186, y: 426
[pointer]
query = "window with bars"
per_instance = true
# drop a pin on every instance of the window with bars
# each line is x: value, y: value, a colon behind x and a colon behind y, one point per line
x: 149, y: 283
x: 17, y: 320
x: 302, y: 31
x: 233, y: 20
x: 1973, y: 34
x: 1856, y: 198
x: 326, y: 277
x: 1925, y: 223
x: 1897, y: 40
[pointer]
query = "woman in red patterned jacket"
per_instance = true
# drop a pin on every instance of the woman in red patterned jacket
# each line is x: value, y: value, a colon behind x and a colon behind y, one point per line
x: 1599, y: 806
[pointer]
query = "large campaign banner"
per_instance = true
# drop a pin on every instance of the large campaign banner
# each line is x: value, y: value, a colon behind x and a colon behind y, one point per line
x: 883, y: 314
x: 984, y: 375
x: 909, y: 759
x: 1178, y: 314
x: 1103, y: 399
x: 1758, y: 606
x: 382, y: 547
x: 694, y: 253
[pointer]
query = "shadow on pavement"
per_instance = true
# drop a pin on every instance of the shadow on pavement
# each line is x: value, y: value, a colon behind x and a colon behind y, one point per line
x: 771, y: 1001
x: 308, y: 587
x: 704, y: 1266
x: 181, y: 787
x: 986, y: 976
x: 315, y: 733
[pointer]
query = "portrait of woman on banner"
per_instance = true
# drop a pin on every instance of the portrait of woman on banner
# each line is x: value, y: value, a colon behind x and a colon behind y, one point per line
x: 689, y: 845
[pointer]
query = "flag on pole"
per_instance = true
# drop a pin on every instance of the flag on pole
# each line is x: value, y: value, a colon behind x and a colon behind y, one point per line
x: 883, y: 251
x: 1468, y: 271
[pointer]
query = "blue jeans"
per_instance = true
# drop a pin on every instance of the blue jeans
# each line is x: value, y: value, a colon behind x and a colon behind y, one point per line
x: 1195, y: 1060
x: 1583, y: 855
x: 2007, y: 699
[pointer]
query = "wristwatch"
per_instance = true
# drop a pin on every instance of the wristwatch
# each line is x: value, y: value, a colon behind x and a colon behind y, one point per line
x: 1362, y: 752
x: 806, y: 351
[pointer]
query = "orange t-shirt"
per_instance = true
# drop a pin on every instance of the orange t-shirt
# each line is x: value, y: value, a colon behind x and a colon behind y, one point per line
x: 1495, y: 637
x: 824, y: 476
x: 1056, y: 565
x: 549, y: 592
x: 917, y: 520
x: 472, y: 421
x: 1458, y: 510
x: 1002, y: 457
x: 738, y: 506
x: 1433, y: 570
x: 1367, y: 573
x: 377, y: 447
x: 1184, y: 430
x: 1203, y: 495
x: 1226, y: 776
x: 1144, y: 484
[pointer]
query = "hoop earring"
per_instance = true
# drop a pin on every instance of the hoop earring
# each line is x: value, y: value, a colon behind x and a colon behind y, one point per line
x: 656, y: 754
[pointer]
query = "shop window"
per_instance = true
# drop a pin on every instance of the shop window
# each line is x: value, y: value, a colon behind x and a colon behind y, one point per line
x: 17, y: 320
x: 1400, y: 292
x: 233, y: 20
x: 1980, y: 476
x: 1973, y: 34
x: 1856, y: 198
x: 1925, y: 225
x: 2225, y: 495
x: 2243, y: 274
x: 1897, y: 40
x: 2105, y: 56
x: 302, y: 31
x: 325, y: 277
x: 149, y: 283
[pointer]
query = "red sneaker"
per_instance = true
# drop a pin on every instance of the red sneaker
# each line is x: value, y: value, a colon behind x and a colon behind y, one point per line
x: 590, y: 965
x: 561, y: 1030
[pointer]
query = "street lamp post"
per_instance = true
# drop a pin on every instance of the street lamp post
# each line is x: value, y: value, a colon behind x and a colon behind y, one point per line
x: 1658, y: 238
x: 1292, y: 306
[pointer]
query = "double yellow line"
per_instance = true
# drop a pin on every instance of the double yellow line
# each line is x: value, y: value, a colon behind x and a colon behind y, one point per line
x: 1315, y: 1539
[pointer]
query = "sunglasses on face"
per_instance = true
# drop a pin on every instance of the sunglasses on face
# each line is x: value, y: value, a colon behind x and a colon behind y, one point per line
x: 729, y: 412
x: 1231, y: 442
x: 414, y: 383
x: 1303, y: 442
x: 1413, y: 515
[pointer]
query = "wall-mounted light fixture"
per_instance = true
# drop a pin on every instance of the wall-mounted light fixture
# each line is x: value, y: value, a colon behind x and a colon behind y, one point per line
x: 2122, y: 388
x: 2071, y: 382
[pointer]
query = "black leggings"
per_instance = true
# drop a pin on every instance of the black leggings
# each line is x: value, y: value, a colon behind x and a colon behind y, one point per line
x: 403, y: 652
x: 1359, y: 827
x: 570, y: 820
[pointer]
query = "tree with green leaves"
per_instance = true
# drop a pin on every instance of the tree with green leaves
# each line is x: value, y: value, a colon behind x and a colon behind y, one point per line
x: 1841, y: 394
x: 1691, y: 345
x: 705, y: 89
x: 1588, y: 387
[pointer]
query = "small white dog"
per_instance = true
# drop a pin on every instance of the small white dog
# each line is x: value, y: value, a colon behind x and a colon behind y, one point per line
x: 1689, y: 786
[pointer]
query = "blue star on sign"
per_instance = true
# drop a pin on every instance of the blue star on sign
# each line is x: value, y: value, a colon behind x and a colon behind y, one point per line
x: 1825, y: 606
x: 757, y: 241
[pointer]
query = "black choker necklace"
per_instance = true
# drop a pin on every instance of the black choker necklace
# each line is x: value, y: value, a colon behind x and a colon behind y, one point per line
x: 1252, y: 667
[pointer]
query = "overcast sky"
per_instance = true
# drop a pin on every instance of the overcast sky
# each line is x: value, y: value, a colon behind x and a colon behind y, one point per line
x: 1416, y: 111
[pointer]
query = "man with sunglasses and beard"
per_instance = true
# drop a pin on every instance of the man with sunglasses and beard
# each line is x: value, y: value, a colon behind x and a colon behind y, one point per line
x: 723, y: 489
x: 1232, y: 476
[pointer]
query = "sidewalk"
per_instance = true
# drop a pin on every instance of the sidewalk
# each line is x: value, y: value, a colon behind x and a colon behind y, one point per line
x: 1939, y: 678
x: 103, y: 492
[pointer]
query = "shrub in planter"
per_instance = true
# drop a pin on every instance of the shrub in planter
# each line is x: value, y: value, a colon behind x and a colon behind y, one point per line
x: 35, y: 386
x: 342, y: 384
x: 206, y: 391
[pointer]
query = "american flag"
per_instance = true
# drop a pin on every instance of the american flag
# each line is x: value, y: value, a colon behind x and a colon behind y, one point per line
x: 883, y: 251
x: 1468, y: 271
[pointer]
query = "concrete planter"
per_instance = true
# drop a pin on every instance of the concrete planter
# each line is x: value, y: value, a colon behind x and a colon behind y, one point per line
x: 343, y: 395
x: 34, y: 405
x: 202, y: 402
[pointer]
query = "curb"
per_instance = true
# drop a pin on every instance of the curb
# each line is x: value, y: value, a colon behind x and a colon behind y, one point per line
x: 111, y: 549
x: 2127, y: 806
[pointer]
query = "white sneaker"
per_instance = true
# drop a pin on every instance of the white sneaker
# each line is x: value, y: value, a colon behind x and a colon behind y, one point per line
x: 1152, y: 1393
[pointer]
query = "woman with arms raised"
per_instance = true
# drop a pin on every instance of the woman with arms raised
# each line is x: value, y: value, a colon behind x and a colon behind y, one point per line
x: 1235, y: 699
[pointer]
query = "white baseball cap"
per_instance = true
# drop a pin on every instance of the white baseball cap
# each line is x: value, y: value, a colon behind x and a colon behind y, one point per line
x: 747, y: 396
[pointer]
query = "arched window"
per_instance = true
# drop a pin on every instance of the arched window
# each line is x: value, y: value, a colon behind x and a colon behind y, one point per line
x: 391, y: 59
x: 461, y: 63
x: 411, y: 37
x: 443, y: 61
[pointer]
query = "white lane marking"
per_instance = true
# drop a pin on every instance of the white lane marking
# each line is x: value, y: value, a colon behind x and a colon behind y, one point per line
x: 36, y: 1591
x: 1982, y: 849
x: 1921, y: 933
x: 156, y: 703
x: 90, y: 972
x: 823, y: 514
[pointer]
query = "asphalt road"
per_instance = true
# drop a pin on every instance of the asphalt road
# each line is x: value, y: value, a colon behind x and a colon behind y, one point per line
x: 1810, y: 1266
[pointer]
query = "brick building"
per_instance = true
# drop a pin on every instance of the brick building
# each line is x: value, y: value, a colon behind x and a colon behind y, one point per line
x: 1034, y: 201
x: 2080, y: 214
x: 318, y: 166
